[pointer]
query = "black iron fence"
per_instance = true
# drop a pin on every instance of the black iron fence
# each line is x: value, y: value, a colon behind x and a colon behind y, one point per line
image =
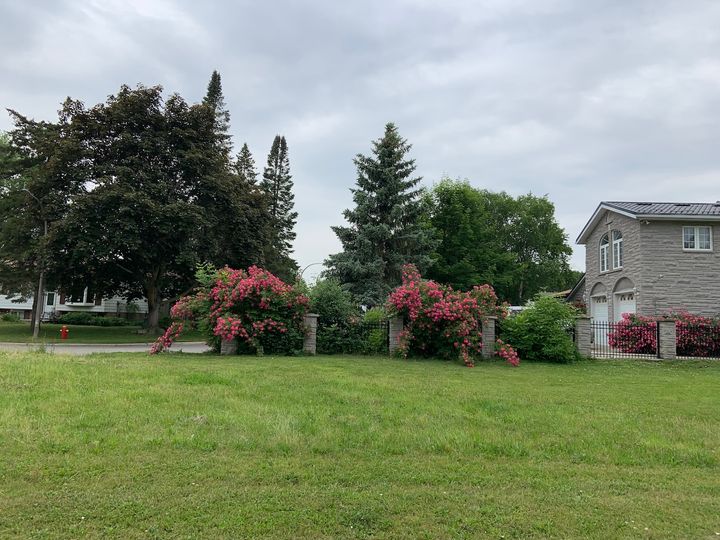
x: 354, y: 337
x: 624, y: 340
x: 697, y: 340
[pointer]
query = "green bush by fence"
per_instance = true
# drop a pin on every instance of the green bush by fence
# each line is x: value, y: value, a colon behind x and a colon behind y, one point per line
x: 84, y: 318
x: 541, y: 332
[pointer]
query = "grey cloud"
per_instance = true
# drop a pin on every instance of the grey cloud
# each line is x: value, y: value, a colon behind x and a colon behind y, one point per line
x: 580, y: 100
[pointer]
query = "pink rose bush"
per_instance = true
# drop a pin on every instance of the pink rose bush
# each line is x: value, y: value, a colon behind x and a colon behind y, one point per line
x: 696, y: 335
x: 634, y: 334
x: 443, y: 322
x: 253, y: 306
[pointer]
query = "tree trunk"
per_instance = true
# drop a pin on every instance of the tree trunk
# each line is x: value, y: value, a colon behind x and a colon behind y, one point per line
x: 36, y: 299
x: 40, y: 305
x: 520, y: 292
x: 153, y: 300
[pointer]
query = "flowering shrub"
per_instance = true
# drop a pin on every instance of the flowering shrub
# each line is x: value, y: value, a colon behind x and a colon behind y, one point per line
x: 696, y: 335
x: 634, y: 334
x: 443, y: 322
x: 507, y: 353
x: 253, y: 306
x: 166, y: 340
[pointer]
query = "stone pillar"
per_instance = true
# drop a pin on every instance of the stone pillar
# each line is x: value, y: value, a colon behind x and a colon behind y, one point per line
x: 395, y: 328
x: 228, y: 348
x: 583, y: 336
x: 667, y: 339
x: 310, y: 342
x: 488, y: 337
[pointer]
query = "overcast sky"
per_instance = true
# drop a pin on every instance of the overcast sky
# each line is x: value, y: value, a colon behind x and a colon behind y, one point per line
x: 580, y: 100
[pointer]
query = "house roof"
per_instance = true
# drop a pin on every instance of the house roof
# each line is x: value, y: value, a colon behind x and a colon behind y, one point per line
x: 668, y: 209
x: 653, y: 211
x: 578, y: 286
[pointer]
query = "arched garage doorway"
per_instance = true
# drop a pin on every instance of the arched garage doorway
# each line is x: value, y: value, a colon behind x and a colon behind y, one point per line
x: 623, y: 298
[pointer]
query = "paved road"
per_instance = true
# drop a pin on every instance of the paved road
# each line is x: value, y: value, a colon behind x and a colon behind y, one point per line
x: 80, y: 349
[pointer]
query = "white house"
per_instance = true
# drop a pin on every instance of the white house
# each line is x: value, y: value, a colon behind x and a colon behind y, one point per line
x: 56, y: 304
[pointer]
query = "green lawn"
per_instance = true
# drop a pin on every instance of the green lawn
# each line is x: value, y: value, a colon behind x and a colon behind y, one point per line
x: 185, y: 446
x: 50, y: 333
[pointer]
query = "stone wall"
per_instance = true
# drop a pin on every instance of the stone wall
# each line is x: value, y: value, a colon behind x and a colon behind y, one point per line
x: 632, y: 258
x: 675, y: 279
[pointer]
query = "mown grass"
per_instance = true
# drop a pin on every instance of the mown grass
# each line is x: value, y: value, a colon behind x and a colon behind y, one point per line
x: 190, y: 446
x: 50, y: 333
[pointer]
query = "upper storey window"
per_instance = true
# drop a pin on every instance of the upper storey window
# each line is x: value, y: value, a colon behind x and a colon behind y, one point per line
x: 697, y: 238
x: 617, y: 249
x: 604, y: 253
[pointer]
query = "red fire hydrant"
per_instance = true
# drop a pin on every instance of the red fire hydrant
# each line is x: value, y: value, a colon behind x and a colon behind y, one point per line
x: 64, y: 332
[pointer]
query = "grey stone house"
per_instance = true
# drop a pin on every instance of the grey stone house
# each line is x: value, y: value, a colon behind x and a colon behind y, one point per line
x: 651, y: 258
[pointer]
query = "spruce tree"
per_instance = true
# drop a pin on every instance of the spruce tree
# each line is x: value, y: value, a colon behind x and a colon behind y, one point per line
x: 216, y: 101
x: 277, y: 185
x: 385, y: 228
x: 245, y: 166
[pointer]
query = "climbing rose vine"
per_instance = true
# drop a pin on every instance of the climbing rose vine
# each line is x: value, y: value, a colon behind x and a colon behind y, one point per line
x: 252, y: 306
x: 443, y: 322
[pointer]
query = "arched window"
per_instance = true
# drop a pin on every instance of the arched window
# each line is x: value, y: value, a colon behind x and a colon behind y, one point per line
x: 617, y: 249
x: 604, y: 253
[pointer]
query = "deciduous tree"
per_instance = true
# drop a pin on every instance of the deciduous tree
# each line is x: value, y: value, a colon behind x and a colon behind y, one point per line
x: 514, y: 244
x: 150, y: 167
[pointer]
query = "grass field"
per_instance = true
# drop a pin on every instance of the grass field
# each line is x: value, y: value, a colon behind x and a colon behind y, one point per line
x: 132, y: 446
x: 50, y: 333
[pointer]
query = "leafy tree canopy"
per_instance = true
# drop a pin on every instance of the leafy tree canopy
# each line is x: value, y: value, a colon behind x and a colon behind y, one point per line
x: 514, y: 244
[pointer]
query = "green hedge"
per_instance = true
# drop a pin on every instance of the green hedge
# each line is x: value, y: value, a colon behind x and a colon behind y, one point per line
x: 83, y: 318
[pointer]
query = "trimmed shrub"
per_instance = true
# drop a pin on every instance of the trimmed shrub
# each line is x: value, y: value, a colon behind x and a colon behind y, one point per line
x: 541, y: 331
x: 85, y: 318
x: 442, y: 322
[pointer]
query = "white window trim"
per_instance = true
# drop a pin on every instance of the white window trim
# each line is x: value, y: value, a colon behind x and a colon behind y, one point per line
x: 615, y: 242
x: 606, y: 259
x: 696, y: 233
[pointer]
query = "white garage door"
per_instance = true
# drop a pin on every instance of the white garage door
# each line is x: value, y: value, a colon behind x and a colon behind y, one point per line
x: 599, y: 313
x: 624, y: 303
x: 599, y: 309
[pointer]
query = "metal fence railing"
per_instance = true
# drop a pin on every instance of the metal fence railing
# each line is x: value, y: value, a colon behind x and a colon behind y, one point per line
x: 697, y: 340
x: 623, y: 340
x: 354, y: 337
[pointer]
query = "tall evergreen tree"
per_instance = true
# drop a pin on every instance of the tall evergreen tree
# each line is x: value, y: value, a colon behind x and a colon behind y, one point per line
x: 385, y: 228
x: 230, y: 206
x: 214, y: 98
x: 277, y: 185
x: 245, y: 166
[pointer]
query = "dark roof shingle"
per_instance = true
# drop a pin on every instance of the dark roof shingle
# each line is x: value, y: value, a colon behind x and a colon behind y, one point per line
x: 667, y: 209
